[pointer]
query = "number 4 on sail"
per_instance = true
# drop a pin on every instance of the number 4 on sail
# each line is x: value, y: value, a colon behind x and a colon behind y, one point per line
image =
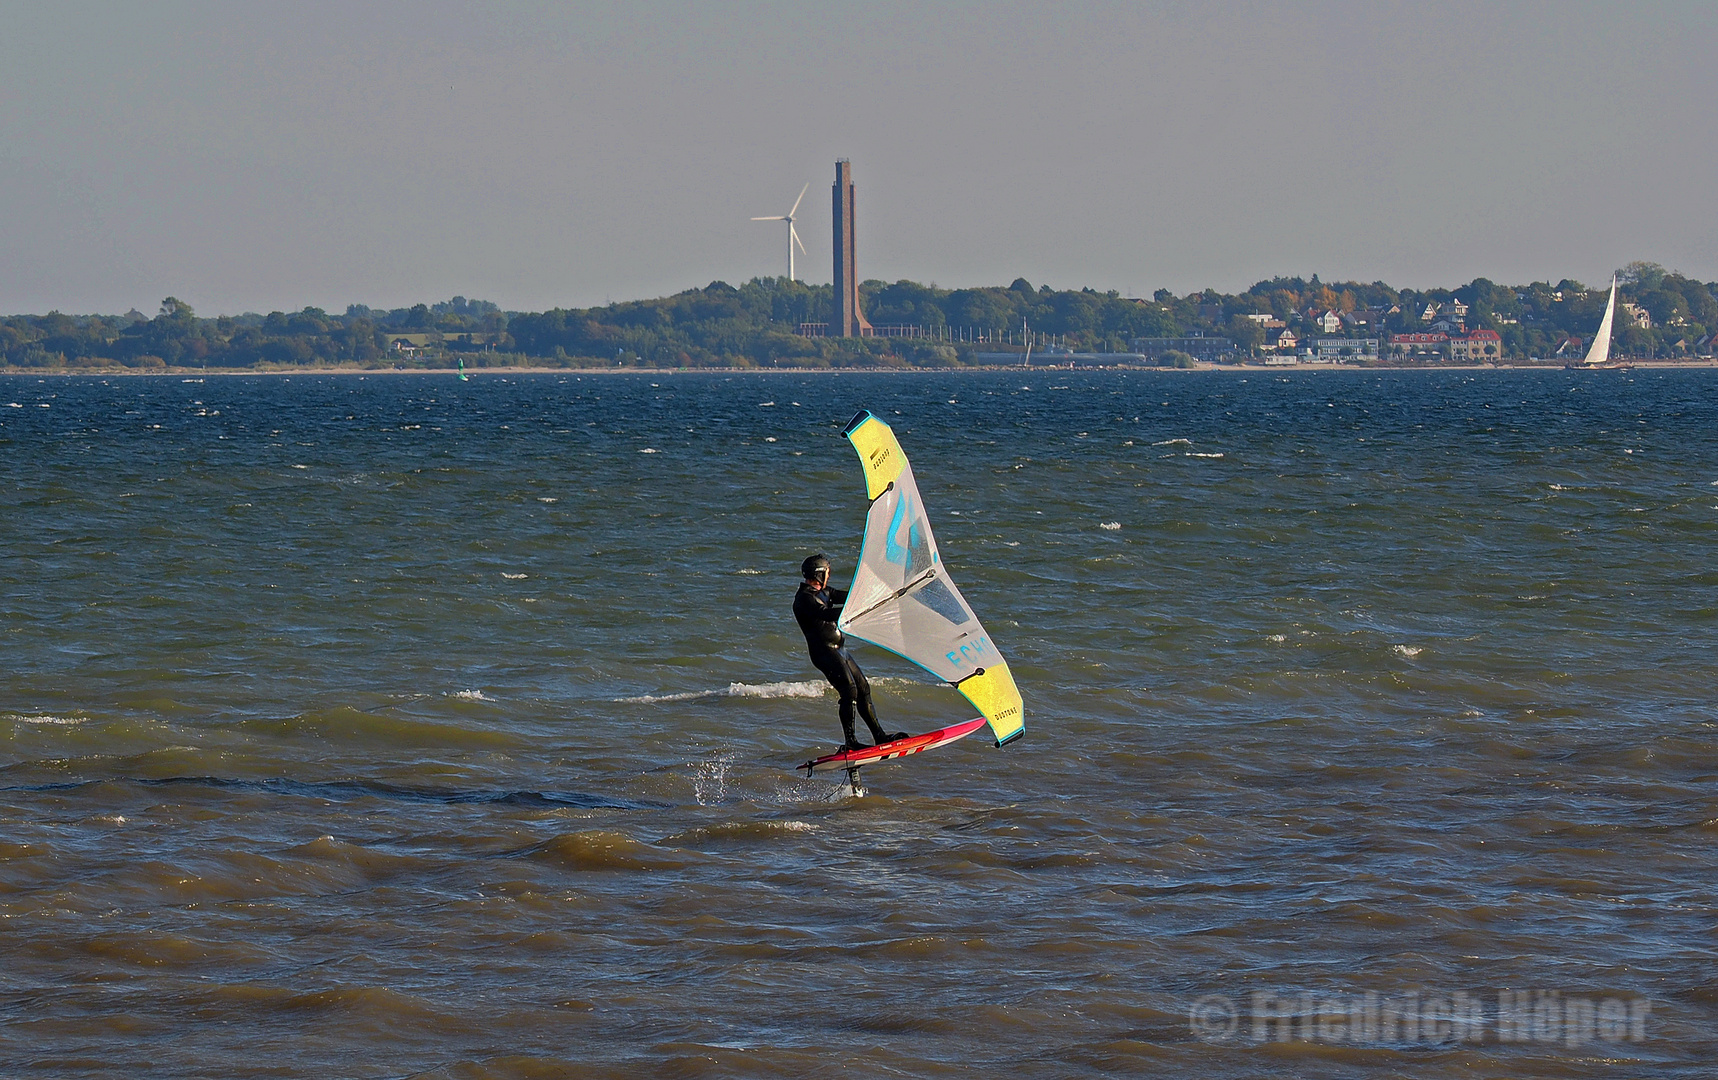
x: 903, y: 600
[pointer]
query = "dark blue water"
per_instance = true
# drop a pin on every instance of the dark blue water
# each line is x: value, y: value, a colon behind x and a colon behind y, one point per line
x: 397, y: 726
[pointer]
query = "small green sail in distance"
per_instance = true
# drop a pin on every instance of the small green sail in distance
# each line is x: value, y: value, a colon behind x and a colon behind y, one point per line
x: 902, y: 598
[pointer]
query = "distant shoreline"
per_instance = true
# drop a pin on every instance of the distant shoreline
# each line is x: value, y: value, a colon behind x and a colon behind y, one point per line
x: 477, y: 373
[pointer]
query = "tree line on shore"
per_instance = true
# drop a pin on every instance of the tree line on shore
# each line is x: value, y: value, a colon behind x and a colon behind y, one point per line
x: 757, y: 324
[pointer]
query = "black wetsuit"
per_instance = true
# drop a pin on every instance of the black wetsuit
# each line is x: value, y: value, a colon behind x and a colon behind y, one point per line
x: 817, y: 610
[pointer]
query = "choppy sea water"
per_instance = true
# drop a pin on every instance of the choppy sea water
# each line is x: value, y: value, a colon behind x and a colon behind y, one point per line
x: 395, y: 726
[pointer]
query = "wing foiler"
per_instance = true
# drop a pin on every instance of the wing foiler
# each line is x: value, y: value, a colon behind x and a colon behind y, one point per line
x: 902, y: 598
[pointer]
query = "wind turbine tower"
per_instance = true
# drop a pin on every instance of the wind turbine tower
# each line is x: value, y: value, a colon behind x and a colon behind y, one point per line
x: 792, y: 236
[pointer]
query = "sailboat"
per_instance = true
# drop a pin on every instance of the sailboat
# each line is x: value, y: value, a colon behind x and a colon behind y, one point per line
x: 903, y: 600
x: 1600, y: 351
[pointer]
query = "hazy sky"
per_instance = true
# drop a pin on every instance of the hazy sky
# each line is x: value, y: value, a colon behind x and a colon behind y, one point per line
x: 259, y: 156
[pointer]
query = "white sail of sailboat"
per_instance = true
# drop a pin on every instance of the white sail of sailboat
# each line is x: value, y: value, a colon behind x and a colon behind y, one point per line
x: 1601, y: 347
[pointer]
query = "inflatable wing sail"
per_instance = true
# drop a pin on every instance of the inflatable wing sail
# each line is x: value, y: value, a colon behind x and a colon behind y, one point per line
x: 902, y: 597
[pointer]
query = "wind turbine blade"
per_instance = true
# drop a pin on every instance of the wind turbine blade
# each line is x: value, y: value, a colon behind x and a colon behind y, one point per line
x: 802, y: 192
x: 778, y: 217
x: 791, y: 232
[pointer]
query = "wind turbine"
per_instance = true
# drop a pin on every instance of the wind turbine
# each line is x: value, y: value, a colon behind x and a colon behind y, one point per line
x: 792, y: 237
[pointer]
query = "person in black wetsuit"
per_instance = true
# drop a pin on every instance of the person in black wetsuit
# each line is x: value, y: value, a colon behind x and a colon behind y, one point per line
x: 817, y: 607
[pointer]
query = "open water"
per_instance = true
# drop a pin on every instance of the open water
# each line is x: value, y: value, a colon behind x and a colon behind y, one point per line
x: 395, y: 726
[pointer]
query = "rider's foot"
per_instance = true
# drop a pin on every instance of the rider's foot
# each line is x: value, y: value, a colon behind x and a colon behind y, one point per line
x: 854, y: 744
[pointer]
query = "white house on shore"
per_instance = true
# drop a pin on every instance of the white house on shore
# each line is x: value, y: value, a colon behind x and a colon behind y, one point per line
x: 1341, y: 349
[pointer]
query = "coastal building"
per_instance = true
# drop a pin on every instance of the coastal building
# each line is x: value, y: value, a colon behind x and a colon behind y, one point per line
x: 1328, y: 323
x: 1055, y: 356
x: 849, y: 321
x: 1198, y: 346
x: 1283, y: 341
x: 1432, y: 346
x: 1642, y: 318
x: 1478, y: 347
x: 1340, y: 350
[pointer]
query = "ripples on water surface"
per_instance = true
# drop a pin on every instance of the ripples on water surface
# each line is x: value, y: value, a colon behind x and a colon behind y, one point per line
x: 398, y: 726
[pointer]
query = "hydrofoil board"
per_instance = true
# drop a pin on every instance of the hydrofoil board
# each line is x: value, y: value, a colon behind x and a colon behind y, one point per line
x: 889, y: 751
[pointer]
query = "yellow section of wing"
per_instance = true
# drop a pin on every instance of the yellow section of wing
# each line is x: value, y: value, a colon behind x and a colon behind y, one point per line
x: 996, y: 696
x: 878, y: 452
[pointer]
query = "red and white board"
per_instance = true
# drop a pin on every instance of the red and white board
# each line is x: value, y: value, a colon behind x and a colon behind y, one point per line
x: 889, y: 751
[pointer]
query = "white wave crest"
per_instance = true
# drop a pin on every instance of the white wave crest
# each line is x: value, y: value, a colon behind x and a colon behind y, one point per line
x: 514, y: 577
x: 807, y: 689
x: 1112, y: 526
x: 1174, y: 442
x: 470, y: 695
x: 23, y: 718
x: 1409, y: 651
x: 1201, y: 455
x: 650, y: 450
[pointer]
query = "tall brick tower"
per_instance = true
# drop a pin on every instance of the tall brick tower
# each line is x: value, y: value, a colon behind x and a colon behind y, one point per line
x: 848, y: 320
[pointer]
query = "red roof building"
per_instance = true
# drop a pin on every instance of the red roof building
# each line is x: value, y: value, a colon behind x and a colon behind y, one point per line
x: 1476, y: 347
x: 1419, y: 346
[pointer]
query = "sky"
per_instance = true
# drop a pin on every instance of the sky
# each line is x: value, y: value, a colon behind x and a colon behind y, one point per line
x: 263, y: 156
